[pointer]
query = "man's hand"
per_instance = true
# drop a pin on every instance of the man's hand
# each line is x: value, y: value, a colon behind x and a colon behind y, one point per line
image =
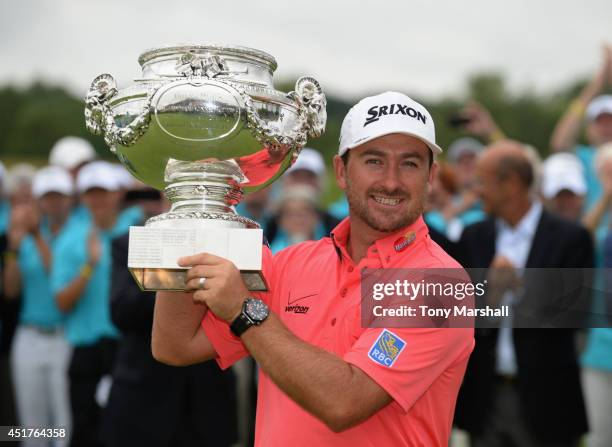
x: 469, y: 197
x: 17, y: 231
x: 223, y: 290
x: 601, y: 78
x: 481, y: 122
x: 502, y: 277
x: 94, y: 248
x: 25, y: 219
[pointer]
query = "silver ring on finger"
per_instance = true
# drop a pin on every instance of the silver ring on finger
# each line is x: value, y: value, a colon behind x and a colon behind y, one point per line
x: 201, y: 282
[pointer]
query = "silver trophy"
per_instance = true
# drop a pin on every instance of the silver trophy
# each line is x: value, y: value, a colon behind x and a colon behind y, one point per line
x: 205, y: 124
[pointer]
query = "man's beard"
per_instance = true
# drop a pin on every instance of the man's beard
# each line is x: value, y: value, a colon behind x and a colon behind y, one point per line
x: 391, y: 222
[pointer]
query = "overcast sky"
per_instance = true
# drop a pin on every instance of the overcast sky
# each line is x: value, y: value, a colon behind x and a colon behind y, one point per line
x: 426, y: 48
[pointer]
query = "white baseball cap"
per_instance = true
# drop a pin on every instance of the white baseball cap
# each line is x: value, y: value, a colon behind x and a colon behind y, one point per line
x: 20, y: 174
x: 98, y: 174
x: 52, y: 179
x: 70, y: 152
x: 306, y: 193
x: 463, y: 146
x: 600, y: 105
x: 562, y: 171
x: 309, y: 160
x: 125, y: 178
x: 384, y: 114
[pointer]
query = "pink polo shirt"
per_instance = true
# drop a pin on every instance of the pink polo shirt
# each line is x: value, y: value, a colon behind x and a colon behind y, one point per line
x: 315, y: 291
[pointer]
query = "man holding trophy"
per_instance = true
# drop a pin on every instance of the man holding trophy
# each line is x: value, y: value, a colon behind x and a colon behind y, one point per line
x: 298, y: 314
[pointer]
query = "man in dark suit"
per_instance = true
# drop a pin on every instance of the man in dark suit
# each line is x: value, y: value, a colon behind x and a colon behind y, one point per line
x: 522, y: 386
x: 152, y: 404
x: 9, y: 315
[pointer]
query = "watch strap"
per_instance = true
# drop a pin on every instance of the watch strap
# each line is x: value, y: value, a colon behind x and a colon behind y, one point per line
x: 241, y: 323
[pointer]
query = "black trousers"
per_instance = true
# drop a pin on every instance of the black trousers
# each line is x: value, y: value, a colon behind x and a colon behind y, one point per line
x: 508, y: 427
x: 87, y: 366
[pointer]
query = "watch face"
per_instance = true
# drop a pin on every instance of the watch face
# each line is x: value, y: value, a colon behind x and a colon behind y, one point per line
x: 257, y: 310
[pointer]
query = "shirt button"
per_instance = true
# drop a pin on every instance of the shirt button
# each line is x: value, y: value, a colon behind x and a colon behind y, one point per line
x: 333, y: 322
x: 350, y: 269
x: 343, y: 292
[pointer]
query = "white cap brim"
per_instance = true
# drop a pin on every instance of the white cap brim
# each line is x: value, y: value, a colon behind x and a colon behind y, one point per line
x: 432, y: 146
x: 599, y: 106
x: 551, y: 190
x: 98, y: 174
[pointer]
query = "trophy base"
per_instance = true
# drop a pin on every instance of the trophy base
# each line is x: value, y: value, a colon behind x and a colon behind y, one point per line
x: 154, y: 251
x: 153, y: 279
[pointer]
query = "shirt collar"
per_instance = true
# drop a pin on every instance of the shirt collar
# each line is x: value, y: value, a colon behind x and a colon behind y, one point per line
x: 387, y: 247
x: 339, y: 236
x: 528, y: 224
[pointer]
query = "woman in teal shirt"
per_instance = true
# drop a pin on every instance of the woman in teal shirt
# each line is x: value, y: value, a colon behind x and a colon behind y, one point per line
x: 40, y: 352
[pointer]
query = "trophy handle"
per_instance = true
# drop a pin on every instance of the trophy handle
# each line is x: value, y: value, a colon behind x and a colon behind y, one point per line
x: 312, y: 103
x: 100, y: 120
x: 312, y: 116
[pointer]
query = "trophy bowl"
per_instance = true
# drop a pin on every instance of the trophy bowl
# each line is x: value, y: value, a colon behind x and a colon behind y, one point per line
x: 205, y: 124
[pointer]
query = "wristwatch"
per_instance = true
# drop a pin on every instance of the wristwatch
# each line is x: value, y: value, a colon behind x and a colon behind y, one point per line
x: 254, y: 312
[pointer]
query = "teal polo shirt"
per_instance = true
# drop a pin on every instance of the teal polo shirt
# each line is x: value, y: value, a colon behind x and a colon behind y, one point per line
x: 90, y: 320
x: 5, y: 215
x: 587, y: 154
x: 38, y: 305
x: 129, y: 216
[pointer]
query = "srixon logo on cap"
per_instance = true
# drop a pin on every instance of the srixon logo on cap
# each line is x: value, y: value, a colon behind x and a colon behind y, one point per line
x: 404, y: 241
x: 375, y: 112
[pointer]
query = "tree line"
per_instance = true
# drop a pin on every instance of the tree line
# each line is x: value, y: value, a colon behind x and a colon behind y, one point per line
x: 33, y: 118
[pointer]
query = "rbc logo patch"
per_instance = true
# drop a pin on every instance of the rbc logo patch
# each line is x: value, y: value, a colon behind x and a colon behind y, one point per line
x: 387, y: 348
